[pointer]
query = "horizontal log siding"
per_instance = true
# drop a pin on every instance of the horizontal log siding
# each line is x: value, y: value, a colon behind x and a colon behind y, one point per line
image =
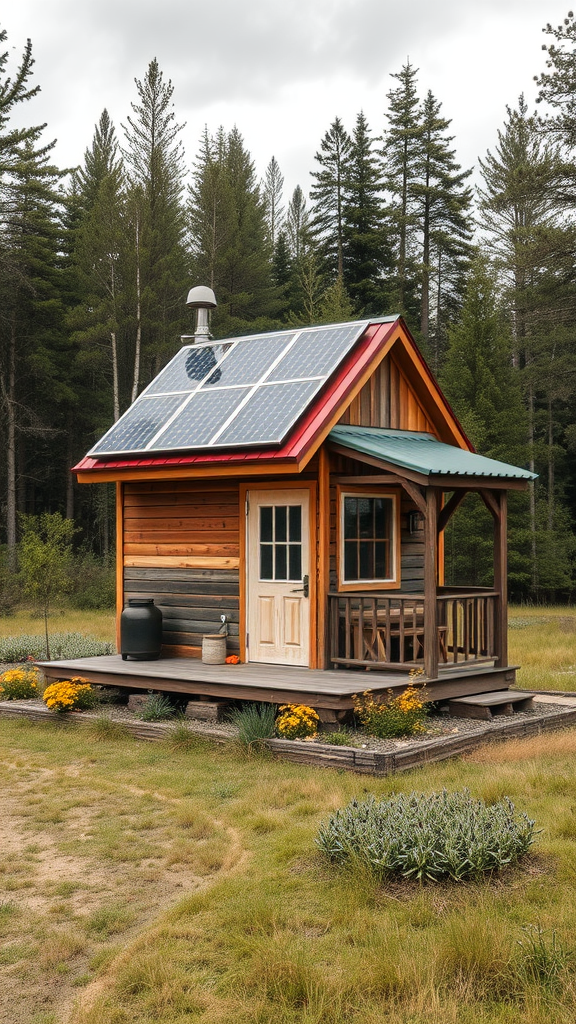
x: 181, y: 548
x: 412, y: 544
x: 387, y: 400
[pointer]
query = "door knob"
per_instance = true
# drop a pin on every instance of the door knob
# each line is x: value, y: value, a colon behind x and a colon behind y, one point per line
x: 303, y: 590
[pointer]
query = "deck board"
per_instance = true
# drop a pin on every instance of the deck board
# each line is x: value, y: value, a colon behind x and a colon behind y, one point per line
x: 274, y: 683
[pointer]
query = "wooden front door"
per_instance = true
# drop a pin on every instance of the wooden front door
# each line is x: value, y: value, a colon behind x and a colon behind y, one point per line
x: 278, y: 567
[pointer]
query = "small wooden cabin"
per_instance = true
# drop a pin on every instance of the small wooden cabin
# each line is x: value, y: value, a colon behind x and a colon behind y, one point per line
x: 299, y: 483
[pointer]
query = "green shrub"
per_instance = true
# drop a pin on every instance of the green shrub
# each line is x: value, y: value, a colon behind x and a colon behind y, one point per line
x: 156, y: 708
x: 254, y: 722
x: 182, y: 737
x: 543, y: 961
x: 444, y: 835
x: 339, y: 738
x: 63, y: 646
x: 105, y: 728
x: 10, y: 591
x: 95, y: 583
x: 403, y: 715
x: 297, y: 722
x: 18, y: 684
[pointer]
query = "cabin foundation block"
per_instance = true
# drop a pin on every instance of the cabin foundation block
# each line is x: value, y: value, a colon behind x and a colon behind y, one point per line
x: 207, y: 710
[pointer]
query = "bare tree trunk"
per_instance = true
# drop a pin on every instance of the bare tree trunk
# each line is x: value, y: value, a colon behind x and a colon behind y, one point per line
x: 532, y: 491
x: 115, y: 387
x: 10, y: 401
x: 550, y: 466
x: 138, y: 315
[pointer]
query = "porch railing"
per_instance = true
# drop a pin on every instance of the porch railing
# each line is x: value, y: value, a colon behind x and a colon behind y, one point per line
x: 387, y: 631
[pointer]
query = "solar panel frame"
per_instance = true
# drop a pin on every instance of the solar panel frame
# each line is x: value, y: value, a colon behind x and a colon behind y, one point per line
x: 222, y: 437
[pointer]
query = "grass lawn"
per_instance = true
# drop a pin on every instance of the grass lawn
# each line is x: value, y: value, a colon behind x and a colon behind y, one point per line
x: 141, y: 883
x: 100, y: 624
x: 543, y: 642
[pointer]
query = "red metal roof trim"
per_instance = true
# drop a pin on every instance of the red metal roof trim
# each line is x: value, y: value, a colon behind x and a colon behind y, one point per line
x: 301, y: 438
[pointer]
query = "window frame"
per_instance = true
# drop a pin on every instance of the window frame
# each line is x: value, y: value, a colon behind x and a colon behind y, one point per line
x: 353, y: 491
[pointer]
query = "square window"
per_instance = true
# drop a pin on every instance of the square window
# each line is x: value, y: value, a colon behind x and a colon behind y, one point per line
x: 368, y: 539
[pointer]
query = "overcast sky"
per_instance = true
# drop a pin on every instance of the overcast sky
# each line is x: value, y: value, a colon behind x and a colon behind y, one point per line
x: 280, y: 71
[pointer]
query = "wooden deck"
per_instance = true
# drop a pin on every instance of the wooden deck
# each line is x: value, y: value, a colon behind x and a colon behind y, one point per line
x: 276, y: 684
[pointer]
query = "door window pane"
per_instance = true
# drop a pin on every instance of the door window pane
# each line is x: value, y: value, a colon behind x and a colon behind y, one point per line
x: 266, y: 556
x: 295, y: 517
x: 266, y: 523
x: 281, y: 542
x: 281, y: 518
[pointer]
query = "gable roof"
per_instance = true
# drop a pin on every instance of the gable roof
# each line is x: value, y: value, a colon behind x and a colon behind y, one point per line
x: 423, y: 453
x: 360, y: 347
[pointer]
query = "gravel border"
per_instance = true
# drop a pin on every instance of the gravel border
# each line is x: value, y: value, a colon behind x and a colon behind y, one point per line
x: 447, y: 737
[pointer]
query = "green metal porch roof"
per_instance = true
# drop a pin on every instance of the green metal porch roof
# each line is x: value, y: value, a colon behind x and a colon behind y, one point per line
x: 423, y: 453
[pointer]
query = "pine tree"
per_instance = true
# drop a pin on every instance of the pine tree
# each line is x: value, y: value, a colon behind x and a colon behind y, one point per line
x: 364, y: 260
x: 443, y: 202
x: 533, y: 249
x: 297, y: 224
x: 557, y: 85
x: 273, y: 193
x: 29, y: 308
x: 155, y: 161
x: 97, y: 320
x: 328, y: 193
x: 484, y: 389
x: 229, y: 235
x: 402, y: 155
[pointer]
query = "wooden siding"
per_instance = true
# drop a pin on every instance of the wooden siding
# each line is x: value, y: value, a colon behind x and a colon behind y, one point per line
x: 387, y: 400
x: 182, y: 524
x: 181, y: 547
x: 191, y: 601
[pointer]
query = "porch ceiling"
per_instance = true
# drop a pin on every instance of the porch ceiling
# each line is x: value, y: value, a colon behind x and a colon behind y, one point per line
x: 423, y: 454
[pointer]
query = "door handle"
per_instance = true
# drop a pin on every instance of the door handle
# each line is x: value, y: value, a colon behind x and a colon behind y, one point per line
x: 303, y: 590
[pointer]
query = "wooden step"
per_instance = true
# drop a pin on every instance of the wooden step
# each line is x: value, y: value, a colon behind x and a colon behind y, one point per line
x: 487, y: 705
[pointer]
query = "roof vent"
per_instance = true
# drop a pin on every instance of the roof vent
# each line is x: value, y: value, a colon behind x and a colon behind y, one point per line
x: 202, y: 299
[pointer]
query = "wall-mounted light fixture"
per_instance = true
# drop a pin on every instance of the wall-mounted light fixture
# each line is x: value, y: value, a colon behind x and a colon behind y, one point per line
x: 415, y: 521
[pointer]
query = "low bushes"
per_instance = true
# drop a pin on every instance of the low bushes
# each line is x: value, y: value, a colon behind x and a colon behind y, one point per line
x: 403, y: 715
x: 296, y: 722
x: 70, y: 695
x: 444, y: 835
x: 156, y: 708
x: 255, y: 722
x: 62, y: 646
x: 18, y: 684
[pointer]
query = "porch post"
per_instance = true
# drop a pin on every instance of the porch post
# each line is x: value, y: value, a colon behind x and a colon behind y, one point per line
x: 501, y: 578
x: 430, y: 603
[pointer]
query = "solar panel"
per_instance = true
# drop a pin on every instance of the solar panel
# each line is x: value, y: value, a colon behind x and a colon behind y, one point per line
x: 249, y: 361
x: 136, y: 428
x: 198, y: 421
x: 268, y: 414
x: 233, y: 393
x: 188, y: 368
x: 316, y: 354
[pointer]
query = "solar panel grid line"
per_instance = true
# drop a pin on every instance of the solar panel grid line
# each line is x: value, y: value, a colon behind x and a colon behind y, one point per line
x: 255, y: 388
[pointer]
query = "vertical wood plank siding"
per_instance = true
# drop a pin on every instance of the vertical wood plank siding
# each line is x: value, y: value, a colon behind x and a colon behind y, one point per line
x: 387, y: 400
x: 181, y: 547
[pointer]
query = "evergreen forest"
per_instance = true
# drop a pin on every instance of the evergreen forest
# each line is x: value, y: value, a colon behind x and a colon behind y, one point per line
x: 96, y: 262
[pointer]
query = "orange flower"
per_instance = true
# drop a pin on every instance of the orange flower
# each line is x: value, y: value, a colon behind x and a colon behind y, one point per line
x: 232, y: 659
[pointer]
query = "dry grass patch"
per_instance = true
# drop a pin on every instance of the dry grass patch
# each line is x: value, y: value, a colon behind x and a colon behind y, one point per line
x: 543, y: 642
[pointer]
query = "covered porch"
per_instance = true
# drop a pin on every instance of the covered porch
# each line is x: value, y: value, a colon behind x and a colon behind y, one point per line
x: 439, y: 628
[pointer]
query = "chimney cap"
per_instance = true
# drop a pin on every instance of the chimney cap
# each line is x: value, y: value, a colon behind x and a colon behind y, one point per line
x: 201, y: 297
